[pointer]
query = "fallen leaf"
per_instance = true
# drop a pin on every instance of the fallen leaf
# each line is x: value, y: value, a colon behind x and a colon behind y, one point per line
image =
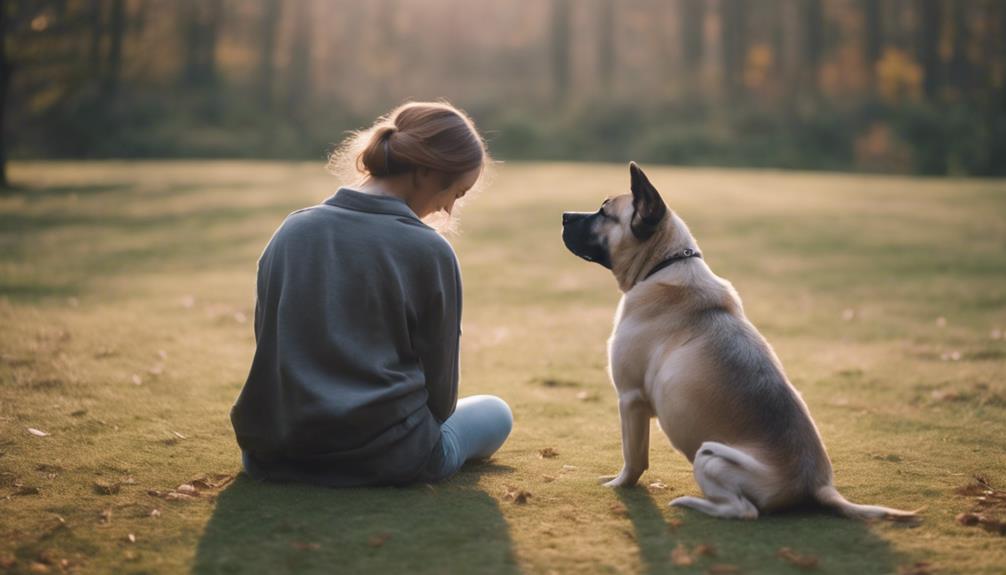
x: 131, y: 538
x: 106, y: 487
x: 105, y: 517
x: 681, y: 557
x: 674, y: 523
x: 212, y: 481
x: 548, y: 478
x: 586, y: 396
x: 657, y: 486
x: 548, y: 453
x: 704, y: 550
x: 619, y: 509
x: 36, y: 567
x: 796, y: 559
x: 305, y: 546
x: 136, y: 379
x: 378, y: 539
x: 722, y: 569
x: 38, y: 432
x: 186, y: 488
x: 178, y: 435
x: 569, y: 468
x: 517, y: 495
x: 155, y: 513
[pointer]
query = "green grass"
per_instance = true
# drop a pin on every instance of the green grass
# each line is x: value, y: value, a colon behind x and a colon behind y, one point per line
x: 113, y: 269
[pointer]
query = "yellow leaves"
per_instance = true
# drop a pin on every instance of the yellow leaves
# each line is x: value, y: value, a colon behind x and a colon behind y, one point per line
x: 899, y: 77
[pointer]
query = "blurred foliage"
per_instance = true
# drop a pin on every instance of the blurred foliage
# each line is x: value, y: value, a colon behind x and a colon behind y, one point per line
x: 896, y: 86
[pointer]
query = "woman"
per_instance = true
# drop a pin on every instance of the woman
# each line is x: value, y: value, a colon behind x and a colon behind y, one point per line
x: 357, y: 321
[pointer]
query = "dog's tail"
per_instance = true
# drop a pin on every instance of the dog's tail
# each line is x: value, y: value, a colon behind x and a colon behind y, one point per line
x: 829, y: 497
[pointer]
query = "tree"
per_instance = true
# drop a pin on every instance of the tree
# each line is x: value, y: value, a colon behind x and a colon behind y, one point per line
x: 201, y: 21
x: 873, y: 30
x: 267, y: 51
x: 733, y: 41
x: 929, y: 45
x: 299, y: 69
x: 560, y: 39
x: 692, y: 19
x: 960, y: 66
x: 813, y: 44
x: 606, y: 45
x: 113, y: 70
x: 5, y: 75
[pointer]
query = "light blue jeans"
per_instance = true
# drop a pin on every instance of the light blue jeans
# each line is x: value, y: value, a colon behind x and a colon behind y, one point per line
x: 479, y: 426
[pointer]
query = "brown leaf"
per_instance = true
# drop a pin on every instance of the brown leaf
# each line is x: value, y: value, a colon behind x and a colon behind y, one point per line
x: 131, y: 538
x: 704, y: 550
x: 38, y: 432
x: 657, y: 486
x: 26, y: 490
x: 796, y: 559
x: 155, y: 513
x: 722, y: 569
x: 517, y: 495
x: 674, y: 523
x: 548, y: 453
x: 186, y: 488
x: 106, y: 487
x: 212, y: 481
x: 681, y: 557
x: 37, y: 567
x: 378, y: 539
x: 548, y: 478
x: 619, y: 509
x: 105, y: 517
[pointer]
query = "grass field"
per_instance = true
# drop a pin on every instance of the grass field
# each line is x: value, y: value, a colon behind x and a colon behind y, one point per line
x: 126, y: 292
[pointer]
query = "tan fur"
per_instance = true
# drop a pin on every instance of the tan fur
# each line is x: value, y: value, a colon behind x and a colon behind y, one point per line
x: 683, y: 351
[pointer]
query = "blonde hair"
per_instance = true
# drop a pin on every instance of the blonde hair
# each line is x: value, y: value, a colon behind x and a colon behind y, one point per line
x: 431, y: 135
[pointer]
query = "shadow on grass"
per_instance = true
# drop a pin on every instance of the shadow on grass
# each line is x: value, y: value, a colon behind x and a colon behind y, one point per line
x: 841, y: 545
x: 453, y: 527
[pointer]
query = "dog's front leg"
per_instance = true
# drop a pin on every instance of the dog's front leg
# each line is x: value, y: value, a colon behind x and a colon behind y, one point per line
x: 635, y: 413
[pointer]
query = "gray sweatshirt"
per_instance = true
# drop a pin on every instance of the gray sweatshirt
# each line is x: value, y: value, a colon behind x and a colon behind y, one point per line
x: 357, y: 327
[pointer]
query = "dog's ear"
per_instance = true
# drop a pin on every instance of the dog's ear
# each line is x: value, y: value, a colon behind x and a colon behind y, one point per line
x: 649, y: 208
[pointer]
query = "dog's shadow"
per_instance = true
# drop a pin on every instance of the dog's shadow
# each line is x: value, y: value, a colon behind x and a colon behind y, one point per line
x: 453, y: 527
x: 840, y: 545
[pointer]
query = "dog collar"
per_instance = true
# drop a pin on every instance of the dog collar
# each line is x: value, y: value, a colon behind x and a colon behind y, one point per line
x: 677, y: 257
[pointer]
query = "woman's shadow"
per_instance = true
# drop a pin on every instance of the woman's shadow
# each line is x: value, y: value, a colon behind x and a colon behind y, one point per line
x: 452, y: 527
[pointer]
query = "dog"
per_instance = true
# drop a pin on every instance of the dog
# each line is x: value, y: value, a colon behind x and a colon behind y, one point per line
x: 682, y: 350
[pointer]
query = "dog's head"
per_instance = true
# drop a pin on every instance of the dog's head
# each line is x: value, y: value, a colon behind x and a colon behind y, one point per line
x: 626, y: 233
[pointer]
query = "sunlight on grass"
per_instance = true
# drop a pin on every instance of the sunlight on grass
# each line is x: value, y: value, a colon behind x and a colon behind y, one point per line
x: 126, y: 292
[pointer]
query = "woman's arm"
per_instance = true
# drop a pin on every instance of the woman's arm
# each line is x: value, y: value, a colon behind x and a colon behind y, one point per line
x: 438, y: 343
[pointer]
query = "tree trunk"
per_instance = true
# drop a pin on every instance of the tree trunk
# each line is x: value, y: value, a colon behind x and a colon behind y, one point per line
x: 733, y: 43
x: 873, y: 39
x: 299, y: 69
x: 97, y: 22
x: 606, y: 45
x: 960, y: 66
x: 267, y: 52
x: 692, y: 19
x: 561, y: 69
x: 929, y: 46
x: 5, y: 76
x: 211, y: 36
x: 813, y: 44
x: 113, y: 70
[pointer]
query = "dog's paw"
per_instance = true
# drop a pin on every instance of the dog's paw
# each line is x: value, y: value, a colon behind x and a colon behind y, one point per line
x: 616, y: 481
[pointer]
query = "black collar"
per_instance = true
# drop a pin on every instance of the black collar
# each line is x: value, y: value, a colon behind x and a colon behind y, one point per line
x: 670, y: 260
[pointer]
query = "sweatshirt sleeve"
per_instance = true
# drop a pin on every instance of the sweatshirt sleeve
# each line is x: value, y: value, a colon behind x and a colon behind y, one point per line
x: 438, y: 341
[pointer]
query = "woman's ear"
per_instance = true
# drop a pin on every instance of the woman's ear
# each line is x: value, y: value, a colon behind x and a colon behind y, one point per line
x: 649, y: 208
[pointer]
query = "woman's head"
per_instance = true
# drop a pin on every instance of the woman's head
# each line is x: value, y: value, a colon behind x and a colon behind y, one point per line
x: 431, y: 147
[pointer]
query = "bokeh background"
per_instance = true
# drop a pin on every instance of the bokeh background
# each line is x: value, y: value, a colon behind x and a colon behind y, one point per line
x: 906, y: 86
